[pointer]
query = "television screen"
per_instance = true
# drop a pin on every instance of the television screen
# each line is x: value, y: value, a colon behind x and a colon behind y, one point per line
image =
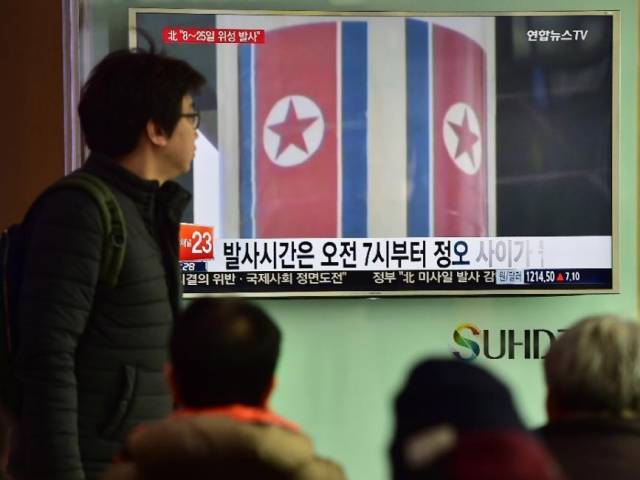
x: 388, y: 153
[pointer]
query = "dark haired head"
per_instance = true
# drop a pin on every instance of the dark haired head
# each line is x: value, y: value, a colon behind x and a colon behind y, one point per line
x: 224, y: 351
x: 126, y: 90
x: 457, y: 393
x: 454, y: 394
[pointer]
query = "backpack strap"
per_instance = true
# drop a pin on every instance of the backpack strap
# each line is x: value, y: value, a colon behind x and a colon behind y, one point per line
x: 115, y: 238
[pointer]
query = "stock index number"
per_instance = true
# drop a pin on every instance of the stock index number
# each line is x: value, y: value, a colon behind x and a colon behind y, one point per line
x: 539, y: 276
x: 551, y: 276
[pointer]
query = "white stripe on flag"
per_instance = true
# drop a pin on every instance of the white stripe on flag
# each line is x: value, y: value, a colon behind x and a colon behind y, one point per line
x: 387, y: 193
x: 490, y: 49
x: 228, y: 134
x: 207, y: 196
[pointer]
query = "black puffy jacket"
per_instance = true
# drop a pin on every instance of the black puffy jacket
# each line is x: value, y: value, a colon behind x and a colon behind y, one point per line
x: 90, y: 357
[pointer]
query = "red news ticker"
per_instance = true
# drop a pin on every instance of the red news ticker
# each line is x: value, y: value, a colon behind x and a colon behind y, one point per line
x: 196, y: 243
x: 211, y: 35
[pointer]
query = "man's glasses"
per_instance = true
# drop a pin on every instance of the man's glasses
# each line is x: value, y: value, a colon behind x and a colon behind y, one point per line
x: 194, y: 118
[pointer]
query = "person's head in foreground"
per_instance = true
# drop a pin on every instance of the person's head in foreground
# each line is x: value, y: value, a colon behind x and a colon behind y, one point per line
x: 223, y: 352
x: 223, y: 358
x: 593, y: 369
x: 593, y: 399
x: 455, y: 420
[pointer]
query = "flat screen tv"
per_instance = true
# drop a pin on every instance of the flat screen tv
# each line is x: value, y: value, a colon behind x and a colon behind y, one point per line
x: 395, y: 153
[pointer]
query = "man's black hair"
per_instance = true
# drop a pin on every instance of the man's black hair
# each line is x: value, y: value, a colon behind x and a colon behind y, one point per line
x: 126, y: 90
x: 224, y: 351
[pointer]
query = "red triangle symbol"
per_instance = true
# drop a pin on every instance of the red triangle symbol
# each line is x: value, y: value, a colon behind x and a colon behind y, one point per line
x: 560, y: 278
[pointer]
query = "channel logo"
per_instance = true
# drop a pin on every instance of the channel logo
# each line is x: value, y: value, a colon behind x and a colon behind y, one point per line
x: 467, y: 343
x: 472, y: 341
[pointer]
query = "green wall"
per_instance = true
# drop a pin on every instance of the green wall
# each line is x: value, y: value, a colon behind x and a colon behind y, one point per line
x: 343, y: 359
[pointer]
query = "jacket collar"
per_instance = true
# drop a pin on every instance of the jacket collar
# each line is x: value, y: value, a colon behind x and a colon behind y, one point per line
x: 241, y: 413
x: 594, y: 424
x: 143, y: 192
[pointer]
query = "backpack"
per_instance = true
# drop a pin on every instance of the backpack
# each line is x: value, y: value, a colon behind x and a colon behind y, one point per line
x: 12, y: 261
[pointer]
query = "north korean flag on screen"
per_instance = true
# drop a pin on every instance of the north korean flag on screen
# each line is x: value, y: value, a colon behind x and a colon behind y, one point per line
x: 291, y: 109
x: 310, y: 98
x: 460, y: 120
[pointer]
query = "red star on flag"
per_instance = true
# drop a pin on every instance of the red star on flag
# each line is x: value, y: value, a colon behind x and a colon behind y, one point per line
x: 291, y: 130
x: 466, y: 138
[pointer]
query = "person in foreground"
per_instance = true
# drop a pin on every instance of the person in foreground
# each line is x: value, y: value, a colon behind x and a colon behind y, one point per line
x: 593, y: 399
x: 223, y: 358
x: 90, y: 355
x: 455, y: 421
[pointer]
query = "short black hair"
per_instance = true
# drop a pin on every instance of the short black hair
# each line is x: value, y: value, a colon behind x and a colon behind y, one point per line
x: 224, y: 351
x: 126, y: 90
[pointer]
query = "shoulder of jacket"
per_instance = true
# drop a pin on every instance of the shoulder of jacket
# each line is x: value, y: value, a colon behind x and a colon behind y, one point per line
x: 71, y: 204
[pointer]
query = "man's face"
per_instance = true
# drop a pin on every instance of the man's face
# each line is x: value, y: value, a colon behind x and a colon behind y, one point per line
x: 181, y: 147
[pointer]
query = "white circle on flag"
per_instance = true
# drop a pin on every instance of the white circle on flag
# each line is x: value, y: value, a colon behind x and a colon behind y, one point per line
x: 293, y: 130
x: 463, y: 137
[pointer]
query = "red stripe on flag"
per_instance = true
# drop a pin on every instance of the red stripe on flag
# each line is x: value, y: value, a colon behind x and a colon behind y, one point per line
x: 298, y: 200
x: 460, y: 135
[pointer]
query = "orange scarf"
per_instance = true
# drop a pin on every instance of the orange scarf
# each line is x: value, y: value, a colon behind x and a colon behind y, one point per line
x: 242, y: 413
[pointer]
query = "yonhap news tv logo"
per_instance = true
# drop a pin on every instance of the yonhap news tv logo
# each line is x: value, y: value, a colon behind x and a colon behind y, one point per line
x: 493, y: 344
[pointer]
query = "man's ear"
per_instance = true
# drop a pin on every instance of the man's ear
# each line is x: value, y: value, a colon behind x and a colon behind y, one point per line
x: 170, y: 379
x: 156, y: 134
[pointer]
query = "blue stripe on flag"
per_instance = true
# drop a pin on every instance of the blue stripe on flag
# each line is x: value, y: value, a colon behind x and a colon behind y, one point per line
x: 354, y: 129
x: 247, y: 160
x: 417, y: 43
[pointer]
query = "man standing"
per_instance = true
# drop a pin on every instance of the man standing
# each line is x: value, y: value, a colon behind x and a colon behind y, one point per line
x: 223, y: 357
x: 90, y: 355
